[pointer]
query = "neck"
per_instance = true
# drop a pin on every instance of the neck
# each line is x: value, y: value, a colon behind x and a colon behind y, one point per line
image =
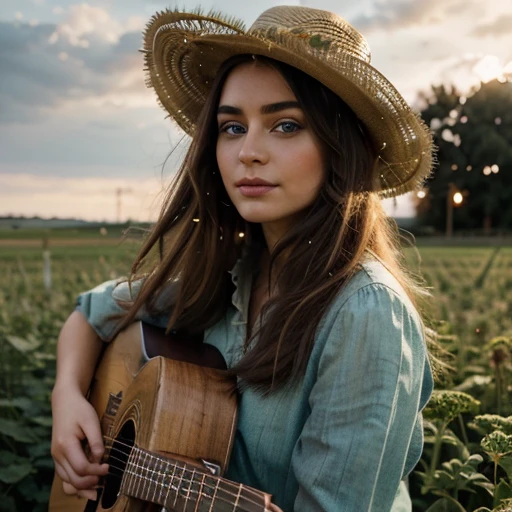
x: 175, y: 485
x: 273, y: 232
x: 265, y: 269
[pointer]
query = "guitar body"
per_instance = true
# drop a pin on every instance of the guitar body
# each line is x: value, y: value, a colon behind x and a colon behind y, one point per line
x: 165, y: 405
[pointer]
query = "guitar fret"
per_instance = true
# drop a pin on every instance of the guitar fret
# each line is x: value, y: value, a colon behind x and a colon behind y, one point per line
x: 169, y: 486
x: 154, y: 479
x: 147, y: 478
x: 140, y: 481
x: 135, y: 472
x: 163, y: 472
x: 201, y: 494
x: 156, y: 475
x: 178, y: 488
x: 129, y: 478
x: 187, y: 490
x: 140, y: 469
x: 143, y: 478
x: 157, y: 486
x: 237, y: 497
x: 190, y: 485
x: 149, y: 475
x: 214, y: 496
x: 173, y: 476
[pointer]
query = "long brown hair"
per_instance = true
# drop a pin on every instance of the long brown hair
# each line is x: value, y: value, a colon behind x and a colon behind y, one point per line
x: 196, y: 239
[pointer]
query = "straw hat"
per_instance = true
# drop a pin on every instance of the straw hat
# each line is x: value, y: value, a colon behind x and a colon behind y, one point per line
x: 184, y: 50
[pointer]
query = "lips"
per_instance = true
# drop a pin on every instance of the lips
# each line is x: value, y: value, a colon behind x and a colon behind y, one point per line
x: 254, y: 187
x: 253, y: 182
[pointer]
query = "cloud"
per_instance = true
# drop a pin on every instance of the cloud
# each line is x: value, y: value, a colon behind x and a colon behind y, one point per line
x: 394, y: 14
x: 87, y: 56
x: 83, y: 21
x: 498, y: 28
x: 121, y: 143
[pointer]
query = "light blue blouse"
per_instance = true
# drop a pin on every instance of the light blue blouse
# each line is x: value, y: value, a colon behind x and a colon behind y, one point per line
x: 344, y: 438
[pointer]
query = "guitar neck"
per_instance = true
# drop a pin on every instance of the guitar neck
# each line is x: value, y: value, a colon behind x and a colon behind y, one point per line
x: 177, y: 485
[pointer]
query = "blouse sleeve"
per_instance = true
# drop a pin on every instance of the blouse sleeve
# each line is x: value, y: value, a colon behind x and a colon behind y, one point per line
x: 104, y: 306
x: 365, y: 406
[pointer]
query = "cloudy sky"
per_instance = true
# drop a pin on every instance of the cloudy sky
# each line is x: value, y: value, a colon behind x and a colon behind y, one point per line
x: 77, y: 123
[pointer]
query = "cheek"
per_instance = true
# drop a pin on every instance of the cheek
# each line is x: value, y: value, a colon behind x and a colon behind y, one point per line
x: 310, y: 169
x: 219, y: 154
x: 226, y: 159
x: 222, y: 164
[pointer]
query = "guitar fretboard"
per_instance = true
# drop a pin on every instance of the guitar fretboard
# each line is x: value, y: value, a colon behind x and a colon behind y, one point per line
x: 176, y: 485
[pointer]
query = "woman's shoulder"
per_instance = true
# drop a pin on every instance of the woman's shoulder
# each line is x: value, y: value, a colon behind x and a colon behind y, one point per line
x: 374, y: 307
x: 373, y: 291
x: 373, y: 274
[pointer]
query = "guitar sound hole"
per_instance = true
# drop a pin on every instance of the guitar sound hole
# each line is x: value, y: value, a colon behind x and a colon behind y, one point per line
x: 117, y: 460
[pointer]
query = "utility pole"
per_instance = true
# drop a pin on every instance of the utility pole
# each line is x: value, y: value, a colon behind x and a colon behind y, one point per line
x: 119, y: 194
x: 449, y: 210
x: 453, y: 198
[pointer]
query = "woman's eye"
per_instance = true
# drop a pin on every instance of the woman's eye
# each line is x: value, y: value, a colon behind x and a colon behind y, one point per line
x: 288, y: 127
x: 232, y: 129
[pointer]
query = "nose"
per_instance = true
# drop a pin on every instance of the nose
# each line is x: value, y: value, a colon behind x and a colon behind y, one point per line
x: 253, y: 149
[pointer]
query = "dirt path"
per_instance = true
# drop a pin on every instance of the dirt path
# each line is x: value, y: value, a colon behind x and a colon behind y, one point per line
x: 61, y: 242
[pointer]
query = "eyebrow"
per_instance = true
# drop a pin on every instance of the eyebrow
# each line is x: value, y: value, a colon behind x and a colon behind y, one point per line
x: 272, y: 108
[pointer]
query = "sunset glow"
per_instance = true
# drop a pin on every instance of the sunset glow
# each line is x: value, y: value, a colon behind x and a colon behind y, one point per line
x: 490, y: 68
x: 77, y: 120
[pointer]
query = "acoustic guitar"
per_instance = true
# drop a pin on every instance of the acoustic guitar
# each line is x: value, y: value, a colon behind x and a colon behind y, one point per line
x: 168, y: 418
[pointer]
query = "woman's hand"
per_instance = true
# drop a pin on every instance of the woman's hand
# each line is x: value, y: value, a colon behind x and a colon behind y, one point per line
x: 75, y: 421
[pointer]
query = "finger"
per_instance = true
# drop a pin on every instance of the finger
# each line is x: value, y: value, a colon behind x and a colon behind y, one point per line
x: 69, y: 489
x: 92, y: 433
x: 77, y: 481
x: 59, y: 469
x: 80, y: 464
x: 73, y: 467
x: 90, y: 494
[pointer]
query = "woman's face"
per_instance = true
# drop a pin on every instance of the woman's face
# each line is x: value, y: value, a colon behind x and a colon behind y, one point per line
x: 269, y: 159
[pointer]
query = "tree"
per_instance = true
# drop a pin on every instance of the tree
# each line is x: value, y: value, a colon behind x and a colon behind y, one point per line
x: 474, y: 140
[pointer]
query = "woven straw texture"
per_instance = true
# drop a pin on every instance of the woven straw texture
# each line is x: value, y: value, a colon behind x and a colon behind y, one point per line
x: 183, y: 52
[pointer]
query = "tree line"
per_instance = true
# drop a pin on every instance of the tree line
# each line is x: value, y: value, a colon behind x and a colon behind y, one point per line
x: 473, y: 136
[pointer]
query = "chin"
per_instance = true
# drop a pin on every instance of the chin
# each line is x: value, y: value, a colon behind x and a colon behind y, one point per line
x: 256, y: 218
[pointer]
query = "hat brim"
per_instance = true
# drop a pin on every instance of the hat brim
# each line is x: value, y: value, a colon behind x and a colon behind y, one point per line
x: 182, y: 65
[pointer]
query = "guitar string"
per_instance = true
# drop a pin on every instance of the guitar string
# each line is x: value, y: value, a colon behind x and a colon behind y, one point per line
x: 184, y: 469
x: 189, y: 490
x: 135, y: 447
x: 200, y: 494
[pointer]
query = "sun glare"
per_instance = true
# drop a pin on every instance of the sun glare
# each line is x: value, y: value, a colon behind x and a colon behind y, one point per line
x: 489, y: 68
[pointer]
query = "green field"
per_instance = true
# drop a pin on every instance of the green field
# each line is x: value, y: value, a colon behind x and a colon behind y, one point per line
x: 470, y: 312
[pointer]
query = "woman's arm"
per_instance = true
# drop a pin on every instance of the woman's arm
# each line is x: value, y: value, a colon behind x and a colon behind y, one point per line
x: 74, y: 419
x: 97, y: 318
x: 356, y: 444
x: 78, y: 351
x: 105, y: 305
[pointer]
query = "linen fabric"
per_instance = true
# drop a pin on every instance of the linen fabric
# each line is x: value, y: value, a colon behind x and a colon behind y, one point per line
x: 347, y: 435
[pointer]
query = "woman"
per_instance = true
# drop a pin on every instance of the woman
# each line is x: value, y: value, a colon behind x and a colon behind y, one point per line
x: 274, y: 243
